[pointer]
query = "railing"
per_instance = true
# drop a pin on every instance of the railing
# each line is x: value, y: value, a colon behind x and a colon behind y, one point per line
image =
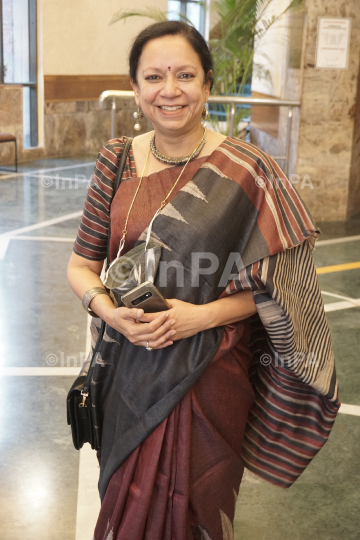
x: 225, y: 100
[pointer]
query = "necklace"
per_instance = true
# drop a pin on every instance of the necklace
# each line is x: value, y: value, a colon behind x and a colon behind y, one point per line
x: 163, y: 202
x: 176, y: 160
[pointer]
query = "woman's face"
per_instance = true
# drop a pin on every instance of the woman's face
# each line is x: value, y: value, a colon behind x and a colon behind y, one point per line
x: 170, y: 85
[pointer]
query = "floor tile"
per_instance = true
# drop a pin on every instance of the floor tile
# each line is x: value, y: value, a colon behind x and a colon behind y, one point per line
x: 346, y: 283
x: 322, y: 504
x: 65, y: 229
x: 337, y: 253
x: 54, y: 162
x: 345, y: 332
x: 45, y: 323
x: 38, y: 463
x: 25, y: 200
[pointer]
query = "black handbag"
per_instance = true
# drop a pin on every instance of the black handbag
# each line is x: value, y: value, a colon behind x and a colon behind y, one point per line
x: 78, y: 402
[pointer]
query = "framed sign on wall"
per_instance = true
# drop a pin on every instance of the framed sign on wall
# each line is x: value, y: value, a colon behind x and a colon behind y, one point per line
x: 333, y: 40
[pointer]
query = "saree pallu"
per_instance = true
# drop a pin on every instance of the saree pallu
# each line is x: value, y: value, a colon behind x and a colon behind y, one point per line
x: 241, y: 215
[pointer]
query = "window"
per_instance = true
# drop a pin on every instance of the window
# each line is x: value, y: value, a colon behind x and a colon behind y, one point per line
x: 194, y: 10
x: 18, y: 58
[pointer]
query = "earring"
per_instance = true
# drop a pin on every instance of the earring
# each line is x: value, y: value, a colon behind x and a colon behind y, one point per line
x: 205, y: 113
x: 138, y: 115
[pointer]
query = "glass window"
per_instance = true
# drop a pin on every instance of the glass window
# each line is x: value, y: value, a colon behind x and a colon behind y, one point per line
x: 194, y: 10
x: 18, y: 58
x: 174, y: 10
x: 16, y: 41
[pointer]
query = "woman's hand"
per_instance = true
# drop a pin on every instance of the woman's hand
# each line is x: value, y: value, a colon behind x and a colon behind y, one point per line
x: 188, y: 318
x: 191, y: 319
x: 156, y: 333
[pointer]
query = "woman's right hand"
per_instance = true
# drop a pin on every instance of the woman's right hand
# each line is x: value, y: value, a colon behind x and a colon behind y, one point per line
x: 155, y: 334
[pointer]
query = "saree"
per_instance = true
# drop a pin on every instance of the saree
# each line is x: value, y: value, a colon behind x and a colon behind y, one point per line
x: 236, y: 225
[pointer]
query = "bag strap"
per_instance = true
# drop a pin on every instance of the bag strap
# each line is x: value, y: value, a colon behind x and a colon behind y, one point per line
x: 121, y: 167
x: 117, y: 183
x: 122, y: 164
x: 85, y: 390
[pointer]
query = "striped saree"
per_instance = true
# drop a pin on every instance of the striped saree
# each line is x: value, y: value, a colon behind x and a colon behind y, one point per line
x: 239, y: 213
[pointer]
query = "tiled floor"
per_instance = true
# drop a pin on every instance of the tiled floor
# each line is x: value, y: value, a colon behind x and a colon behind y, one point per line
x: 48, y: 490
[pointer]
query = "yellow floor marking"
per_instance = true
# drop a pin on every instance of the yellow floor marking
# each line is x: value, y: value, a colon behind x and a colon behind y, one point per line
x: 337, y: 268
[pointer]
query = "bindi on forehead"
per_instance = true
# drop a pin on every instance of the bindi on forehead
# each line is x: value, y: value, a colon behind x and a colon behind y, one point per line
x: 169, y: 68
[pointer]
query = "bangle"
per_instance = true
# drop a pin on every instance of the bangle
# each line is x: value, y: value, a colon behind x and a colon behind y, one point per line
x: 89, y: 295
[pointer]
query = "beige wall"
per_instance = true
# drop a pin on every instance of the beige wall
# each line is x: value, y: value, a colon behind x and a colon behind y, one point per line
x: 77, y: 38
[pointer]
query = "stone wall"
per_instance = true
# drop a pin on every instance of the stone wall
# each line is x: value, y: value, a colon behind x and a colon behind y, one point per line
x: 11, y: 122
x: 71, y: 127
x: 80, y: 127
x: 327, y: 122
x: 354, y: 184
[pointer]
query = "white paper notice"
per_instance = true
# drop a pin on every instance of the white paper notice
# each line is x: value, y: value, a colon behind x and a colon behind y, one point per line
x: 332, y: 50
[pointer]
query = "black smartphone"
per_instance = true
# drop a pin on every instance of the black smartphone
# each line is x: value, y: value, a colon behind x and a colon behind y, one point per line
x: 146, y: 297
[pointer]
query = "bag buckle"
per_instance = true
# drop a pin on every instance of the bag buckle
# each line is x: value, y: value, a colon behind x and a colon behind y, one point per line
x: 84, y: 395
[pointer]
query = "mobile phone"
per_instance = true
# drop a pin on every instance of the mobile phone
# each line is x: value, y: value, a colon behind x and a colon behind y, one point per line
x: 146, y: 297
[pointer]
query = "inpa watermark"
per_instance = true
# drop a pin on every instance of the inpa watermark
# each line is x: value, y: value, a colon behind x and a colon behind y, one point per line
x: 290, y: 361
x: 301, y: 182
x: 67, y: 182
x: 202, y: 265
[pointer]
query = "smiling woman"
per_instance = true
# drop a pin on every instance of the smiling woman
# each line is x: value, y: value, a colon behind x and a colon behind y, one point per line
x: 173, y: 99
x: 172, y: 76
x: 175, y: 415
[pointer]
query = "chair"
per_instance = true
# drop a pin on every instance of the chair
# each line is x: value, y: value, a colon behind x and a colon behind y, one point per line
x: 7, y: 137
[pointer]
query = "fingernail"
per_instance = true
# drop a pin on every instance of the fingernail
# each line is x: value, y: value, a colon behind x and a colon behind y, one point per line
x: 172, y: 333
x: 139, y: 313
x: 172, y: 322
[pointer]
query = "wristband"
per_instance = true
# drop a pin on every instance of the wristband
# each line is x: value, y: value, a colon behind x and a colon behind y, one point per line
x: 90, y: 295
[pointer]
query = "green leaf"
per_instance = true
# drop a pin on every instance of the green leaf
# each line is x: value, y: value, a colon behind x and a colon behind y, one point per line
x: 156, y: 14
x: 153, y: 13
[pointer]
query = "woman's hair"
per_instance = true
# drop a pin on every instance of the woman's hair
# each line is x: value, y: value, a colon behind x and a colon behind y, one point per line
x: 171, y: 28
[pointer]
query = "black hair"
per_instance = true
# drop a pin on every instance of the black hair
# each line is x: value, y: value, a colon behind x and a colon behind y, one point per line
x: 171, y: 28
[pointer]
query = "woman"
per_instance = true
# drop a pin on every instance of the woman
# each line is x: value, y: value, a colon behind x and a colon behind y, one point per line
x: 177, y: 415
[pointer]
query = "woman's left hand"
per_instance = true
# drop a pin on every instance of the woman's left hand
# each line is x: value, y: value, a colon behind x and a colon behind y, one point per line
x: 189, y: 318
